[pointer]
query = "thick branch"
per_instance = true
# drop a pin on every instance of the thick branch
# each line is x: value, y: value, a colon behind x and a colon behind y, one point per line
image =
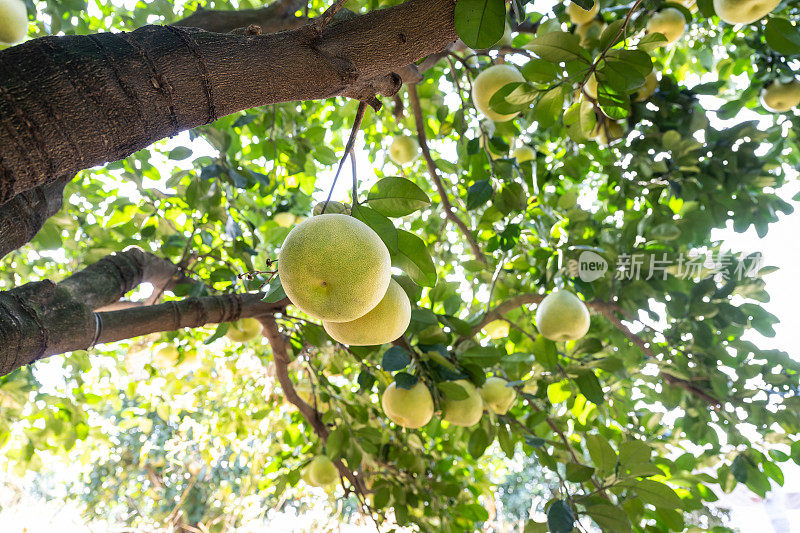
x: 22, y: 217
x: 278, y: 16
x: 73, y: 102
x: 449, y: 211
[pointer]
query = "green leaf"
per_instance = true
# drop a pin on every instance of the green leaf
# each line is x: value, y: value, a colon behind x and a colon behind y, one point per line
x: 337, y: 442
x: 379, y: 223
x: 513, y: 97
x: 484, y: 356
x: 540, y: 71
x: 472, y: 511
x: 478, y: 442
x: 578, y: 473
x: 651, y: 41
x: 405, y: 380
x: 557, y: 46
x: 782, y: 36
x: 654, y: 493
x: 611, y: 34
x: 179, y: 153
x: 560, y: 518
x: 397, y: 197
x: 395, y: 358
x: 739, y: 468
x: 545, y: 352
x: 413, y: 258
x: 602, y: 454
x: 480, y: 23
x: 590, y: 387
x: 274, y: 292
x: 633, y: 452
x: 222, y: 329
x: 550, y: 107
x: 609, y: 518
x: 580, y: 120
x: 453, y: 390
x: 479, y: 193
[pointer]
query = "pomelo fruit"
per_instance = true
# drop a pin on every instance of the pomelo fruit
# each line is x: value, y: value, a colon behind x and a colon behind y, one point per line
x: 490, y: 81
x: 497, y: 395
x: 384, y: 323
x: 466, y: 412
x: 562, y: 316
x: 410, y: 408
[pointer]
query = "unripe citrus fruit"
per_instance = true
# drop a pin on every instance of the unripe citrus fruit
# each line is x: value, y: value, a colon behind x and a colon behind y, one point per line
x: 410, y: 408
x: 13, y: 21
x: 467, y: 412
x: 562, y: 316
x: 779, y: 97
x: 669, y: 22
x: 333, y: 208
x: 166, y: 357
x: 322, y: 471
x: 649, y: 87
x: 403, y: 150
x: 243, y: 330
x: 284, y: 219
x: 524, y: 153
x: 489, y: 82
x: 334, y: 267
x: 496, y: 329
x: 590, y: 87
x: 497, y: 395
x: 578, y: 15
x: 384, y: 323
x: 743, y: 11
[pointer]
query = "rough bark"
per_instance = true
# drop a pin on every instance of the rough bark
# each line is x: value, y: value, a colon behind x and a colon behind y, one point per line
x: 278, y: 16
x: 22, y: 217
x: 73, y: 102
x: 43, y: 318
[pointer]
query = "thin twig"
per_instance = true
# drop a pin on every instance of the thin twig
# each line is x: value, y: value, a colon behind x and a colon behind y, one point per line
x: 362, y: 107
x: 324, y: 19
x: 434, y: 172
x: 611, y: 43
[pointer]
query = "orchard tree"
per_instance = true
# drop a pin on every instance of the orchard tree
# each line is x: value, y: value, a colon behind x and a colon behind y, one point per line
x: 202, y: 329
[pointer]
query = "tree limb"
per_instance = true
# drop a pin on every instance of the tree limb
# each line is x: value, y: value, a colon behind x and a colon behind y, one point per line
x: 73, y: 102
x: 449, y: 211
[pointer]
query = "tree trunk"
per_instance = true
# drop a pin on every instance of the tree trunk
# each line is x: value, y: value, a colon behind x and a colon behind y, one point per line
x: 73, y: 102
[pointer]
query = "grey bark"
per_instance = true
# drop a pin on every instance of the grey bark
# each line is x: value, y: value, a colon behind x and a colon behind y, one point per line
x: 43, y: 318
x: 73, y: 102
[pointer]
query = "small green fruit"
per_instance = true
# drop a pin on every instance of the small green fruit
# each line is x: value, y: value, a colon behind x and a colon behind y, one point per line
x: 243, y: 330
x: 467, y: 412
x: 411, y: 408
x: 403, y: 150
x: 322, y: 472
x: 498, y: 395
x: 562, y: 316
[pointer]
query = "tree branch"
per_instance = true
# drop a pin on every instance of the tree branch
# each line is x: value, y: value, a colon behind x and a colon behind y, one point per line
x: 282, y: 361
x: 73, y: 102
x: 278, y: 16
x: 449, y: 211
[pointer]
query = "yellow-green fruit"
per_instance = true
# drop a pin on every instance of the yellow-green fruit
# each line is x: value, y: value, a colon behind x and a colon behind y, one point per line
x: 605, y: 132
x: 649, y: 87
x: 669, y: 22
x: 166, y: 357
x: 384, y: 323
x: 13, y: 21
x: 496, y: 329
x: 779, y: 97
x: 497, y: 395
x: 590, y: 87
x: 410, y: 408
x: 743, y: 11
x: 334, y: 267
x: 333, y: 208
x: 243, y: 330
x: 506, y: 39
x: 284, y: 219
x: 322, y: 472
x: 403, y: 150
x: 524, y: 153
x: 578, y: 15
x: 467, y: 412
x: 489, y: 82
x: 562, y: 316
x: 591, y: 30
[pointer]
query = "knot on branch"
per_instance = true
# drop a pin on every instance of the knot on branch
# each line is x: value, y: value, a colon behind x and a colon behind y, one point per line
x: 367, y: 92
